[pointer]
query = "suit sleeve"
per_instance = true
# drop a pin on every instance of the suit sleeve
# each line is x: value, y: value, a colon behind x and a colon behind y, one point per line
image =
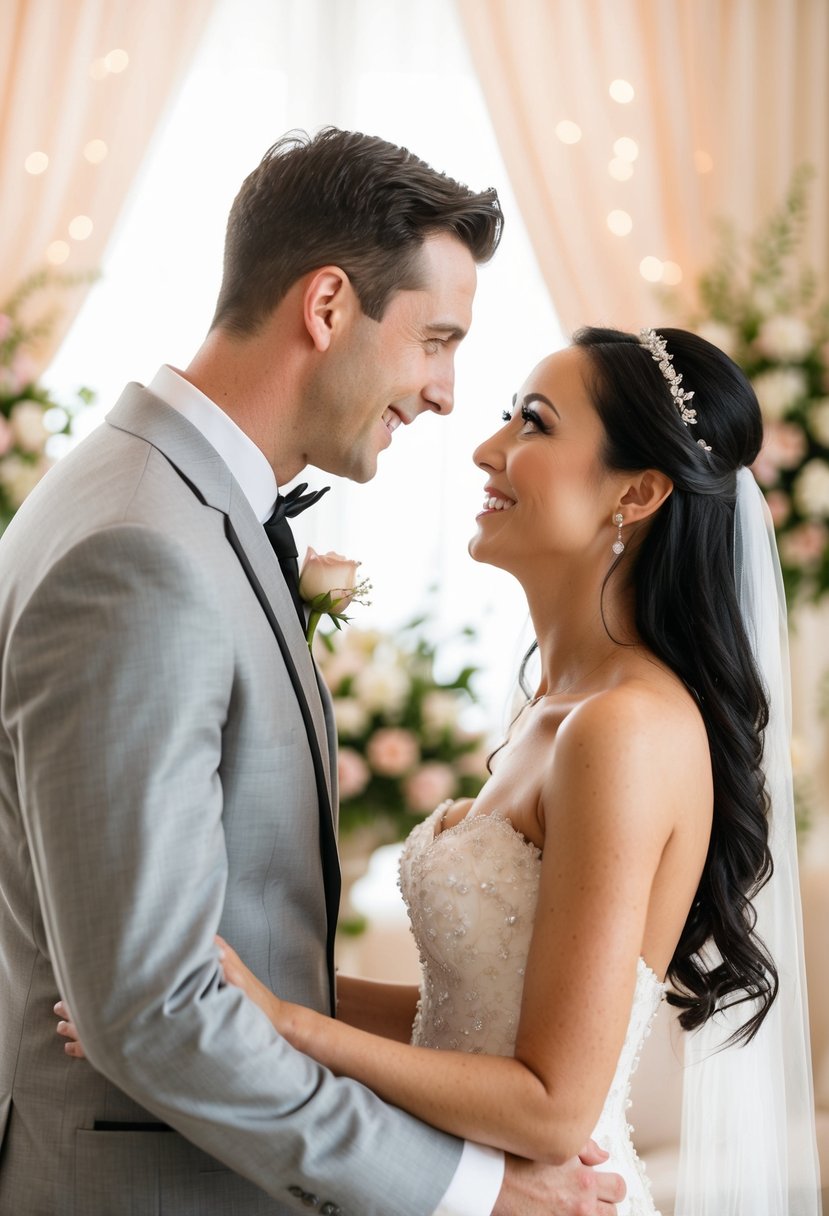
x: 117, y: 686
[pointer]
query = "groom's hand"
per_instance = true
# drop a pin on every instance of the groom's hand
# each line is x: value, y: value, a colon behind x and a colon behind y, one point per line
x: 572, y: 1189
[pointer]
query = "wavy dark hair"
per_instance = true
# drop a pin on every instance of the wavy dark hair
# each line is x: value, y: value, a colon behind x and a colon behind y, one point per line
x: 687, y: 613
x: 345, y: 199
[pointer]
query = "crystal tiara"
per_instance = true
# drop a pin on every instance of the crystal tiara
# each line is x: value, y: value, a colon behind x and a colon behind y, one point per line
x: 651, y: 341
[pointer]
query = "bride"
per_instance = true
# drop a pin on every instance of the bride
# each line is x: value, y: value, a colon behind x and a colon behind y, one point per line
x: 617, y: 851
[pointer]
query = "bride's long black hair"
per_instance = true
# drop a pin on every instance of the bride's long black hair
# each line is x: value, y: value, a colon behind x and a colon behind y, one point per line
x: 687, y: 613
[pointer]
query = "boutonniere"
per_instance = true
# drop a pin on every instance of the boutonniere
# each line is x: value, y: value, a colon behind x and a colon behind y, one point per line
x: 328, y: 584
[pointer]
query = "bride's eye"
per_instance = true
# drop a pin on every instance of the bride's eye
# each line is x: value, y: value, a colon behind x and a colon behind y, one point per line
x: 529, y: 415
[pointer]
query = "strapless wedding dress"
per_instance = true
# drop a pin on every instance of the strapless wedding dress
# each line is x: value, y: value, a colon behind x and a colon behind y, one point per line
x: 471, y: 893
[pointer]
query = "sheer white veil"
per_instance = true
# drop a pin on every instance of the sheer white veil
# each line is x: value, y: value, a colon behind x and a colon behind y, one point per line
x: 748, y: 1129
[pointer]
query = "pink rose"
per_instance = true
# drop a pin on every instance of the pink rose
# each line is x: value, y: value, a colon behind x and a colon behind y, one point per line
x: 392, y: 751
x: 352, y: 773
x: 428, y: 786
x: 804, y: 545
x: 328, y: 574
x: 780, y: 506
x: 784, y: 446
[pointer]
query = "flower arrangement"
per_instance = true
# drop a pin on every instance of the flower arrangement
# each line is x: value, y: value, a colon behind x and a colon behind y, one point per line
x: 29, y: 415
x: 405, y: 744
x: 763, y: 310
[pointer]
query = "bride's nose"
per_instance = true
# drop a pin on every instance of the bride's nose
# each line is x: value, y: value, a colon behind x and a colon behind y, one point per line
x: 489, y: 454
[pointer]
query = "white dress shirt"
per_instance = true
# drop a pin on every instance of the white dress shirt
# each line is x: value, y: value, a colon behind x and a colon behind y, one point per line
x: 480, y: 1173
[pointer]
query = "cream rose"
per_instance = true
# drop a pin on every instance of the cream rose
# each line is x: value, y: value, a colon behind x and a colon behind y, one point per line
x: 382, y: 687
x: 785, y: 338
x: 811, y: 489
x: 778, y: 389
x: 19, y: 477
x: 721, y: 335
x: 350, y: 716
x: 28, y: 427
x: 818, y: 421
x: 328, y: 574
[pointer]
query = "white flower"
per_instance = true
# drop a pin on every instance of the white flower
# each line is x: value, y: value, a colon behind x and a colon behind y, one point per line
x: 719, y: 335
x: 811, y: 489
x: 440, y: 711
x: 819, y: 420
x: 28, y: 427
x: 763, y: 301
x: 784, y: 338
x: 19, y: 477
x: 381, y: 686
x: 778, y: 389
x: 350, y: 716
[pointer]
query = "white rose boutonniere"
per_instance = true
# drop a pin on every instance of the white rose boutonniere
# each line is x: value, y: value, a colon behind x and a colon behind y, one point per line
x: 328, y: 583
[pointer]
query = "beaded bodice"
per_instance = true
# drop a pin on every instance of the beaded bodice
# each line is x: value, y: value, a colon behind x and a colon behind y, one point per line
x: 471, y: 893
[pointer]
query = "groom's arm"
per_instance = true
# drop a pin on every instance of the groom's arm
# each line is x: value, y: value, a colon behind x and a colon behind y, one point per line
x: 116, y: 688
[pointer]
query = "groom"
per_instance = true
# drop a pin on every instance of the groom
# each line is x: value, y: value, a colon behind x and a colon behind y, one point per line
x: 167, y: 765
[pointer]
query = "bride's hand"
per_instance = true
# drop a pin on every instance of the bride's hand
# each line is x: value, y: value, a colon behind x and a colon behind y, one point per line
x: 236, y: 973
x: 67, y: 1029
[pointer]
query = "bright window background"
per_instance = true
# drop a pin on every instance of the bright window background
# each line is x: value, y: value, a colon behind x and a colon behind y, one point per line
x: 387, y: 67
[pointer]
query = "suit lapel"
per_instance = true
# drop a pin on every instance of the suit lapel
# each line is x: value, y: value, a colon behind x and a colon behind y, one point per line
x: 200, y: 466
x: 197, y: 461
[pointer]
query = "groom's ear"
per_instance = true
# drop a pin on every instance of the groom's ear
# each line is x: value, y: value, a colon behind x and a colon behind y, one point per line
x: 327, y: 303
x: 645, y: 494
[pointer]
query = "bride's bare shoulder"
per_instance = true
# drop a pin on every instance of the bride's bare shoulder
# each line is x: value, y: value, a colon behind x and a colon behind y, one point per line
x: 647, y: 724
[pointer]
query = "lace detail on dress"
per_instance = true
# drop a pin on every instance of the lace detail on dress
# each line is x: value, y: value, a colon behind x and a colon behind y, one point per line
x: 471, y: 893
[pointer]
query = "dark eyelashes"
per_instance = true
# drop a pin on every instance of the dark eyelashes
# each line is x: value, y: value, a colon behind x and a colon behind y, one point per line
x: 527, y: 415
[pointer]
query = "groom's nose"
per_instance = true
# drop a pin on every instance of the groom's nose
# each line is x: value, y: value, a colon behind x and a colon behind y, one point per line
x: 439, y: 393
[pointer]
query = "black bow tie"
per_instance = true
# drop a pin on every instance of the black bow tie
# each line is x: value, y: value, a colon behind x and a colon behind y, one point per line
x: 278, y: 532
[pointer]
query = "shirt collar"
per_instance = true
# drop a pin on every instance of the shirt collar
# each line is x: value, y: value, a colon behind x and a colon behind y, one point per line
x: 246, y: 461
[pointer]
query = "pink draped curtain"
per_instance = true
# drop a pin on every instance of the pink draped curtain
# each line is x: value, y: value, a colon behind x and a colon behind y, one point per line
x: 83, y: 84
x: 729, y: 97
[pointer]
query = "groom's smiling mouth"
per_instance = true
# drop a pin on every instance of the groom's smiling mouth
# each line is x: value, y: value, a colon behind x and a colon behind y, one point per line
x: 392, y: 419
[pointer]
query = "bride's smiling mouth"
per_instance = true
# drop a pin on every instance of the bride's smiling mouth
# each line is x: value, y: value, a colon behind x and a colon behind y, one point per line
x: 495, y: 502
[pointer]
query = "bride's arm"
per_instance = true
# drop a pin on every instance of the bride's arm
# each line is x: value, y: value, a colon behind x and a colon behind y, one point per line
x: 377, y: 1006
x: 614, y: 770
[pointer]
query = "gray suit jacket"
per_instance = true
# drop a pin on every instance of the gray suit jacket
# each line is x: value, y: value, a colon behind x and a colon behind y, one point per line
x: 157, y: 786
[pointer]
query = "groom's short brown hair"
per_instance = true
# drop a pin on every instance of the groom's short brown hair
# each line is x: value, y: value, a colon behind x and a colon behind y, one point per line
x: 343, y: 199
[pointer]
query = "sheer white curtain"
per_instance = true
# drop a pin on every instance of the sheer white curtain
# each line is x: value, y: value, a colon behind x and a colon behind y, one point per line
x: 393, y: 69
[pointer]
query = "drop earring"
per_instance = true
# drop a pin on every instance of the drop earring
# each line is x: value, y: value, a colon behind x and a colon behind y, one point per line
x: 618, y: 544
